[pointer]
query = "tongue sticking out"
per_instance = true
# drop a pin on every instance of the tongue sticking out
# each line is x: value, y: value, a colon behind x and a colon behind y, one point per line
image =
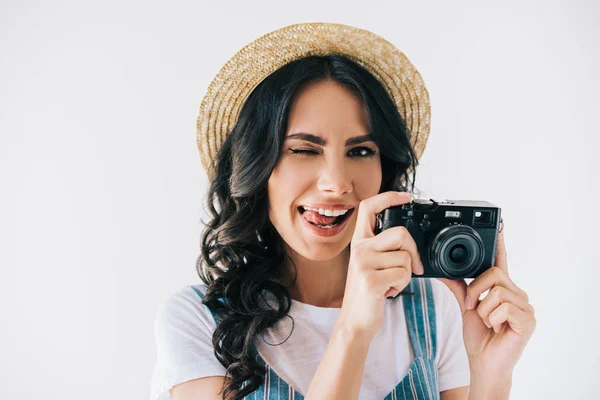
x: 318, y: 219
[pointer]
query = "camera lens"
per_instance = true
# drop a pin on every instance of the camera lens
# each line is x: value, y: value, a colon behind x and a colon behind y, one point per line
x: 456, y: 251
x: 458, y: 254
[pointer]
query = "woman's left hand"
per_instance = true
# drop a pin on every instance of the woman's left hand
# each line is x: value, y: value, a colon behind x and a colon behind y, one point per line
x: 497, y: 328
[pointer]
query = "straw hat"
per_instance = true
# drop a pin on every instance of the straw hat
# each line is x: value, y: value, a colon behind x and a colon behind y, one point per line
x: 220, y: 107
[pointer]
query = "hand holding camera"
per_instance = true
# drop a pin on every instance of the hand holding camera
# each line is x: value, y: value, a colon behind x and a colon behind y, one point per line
x: 379, y: 266
x: 461, y: 239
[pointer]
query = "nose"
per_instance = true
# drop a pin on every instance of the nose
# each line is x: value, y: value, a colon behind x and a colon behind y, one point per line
x: 334, y: 178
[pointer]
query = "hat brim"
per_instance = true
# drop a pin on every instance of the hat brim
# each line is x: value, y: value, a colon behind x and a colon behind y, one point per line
x: 221, y: 105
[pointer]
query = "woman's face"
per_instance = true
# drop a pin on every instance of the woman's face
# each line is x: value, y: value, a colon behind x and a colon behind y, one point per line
x: 328, y: 164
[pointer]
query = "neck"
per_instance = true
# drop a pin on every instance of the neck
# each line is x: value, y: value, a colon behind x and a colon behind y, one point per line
x: 320, y: 283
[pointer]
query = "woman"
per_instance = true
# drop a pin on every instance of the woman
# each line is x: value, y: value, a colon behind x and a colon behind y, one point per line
x: 299, y: 296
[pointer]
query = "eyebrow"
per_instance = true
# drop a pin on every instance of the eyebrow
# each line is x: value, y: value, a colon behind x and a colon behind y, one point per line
x: 322, y: 142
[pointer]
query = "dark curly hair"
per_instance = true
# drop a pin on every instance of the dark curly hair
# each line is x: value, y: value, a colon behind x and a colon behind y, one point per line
x: 242, y: 255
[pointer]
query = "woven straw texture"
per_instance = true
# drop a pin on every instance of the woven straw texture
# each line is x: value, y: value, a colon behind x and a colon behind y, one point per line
x: 221, y: 105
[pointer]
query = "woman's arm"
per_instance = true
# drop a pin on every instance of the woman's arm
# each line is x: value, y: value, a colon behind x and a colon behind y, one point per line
x: 479, y: 390
x: 459, y: 393
x: 484, y: 386
x: 209, y: 387
x: 340, y: 371
x: 377, y: 269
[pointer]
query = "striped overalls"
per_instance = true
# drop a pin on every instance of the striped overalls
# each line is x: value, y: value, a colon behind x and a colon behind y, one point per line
x: 420, y: 382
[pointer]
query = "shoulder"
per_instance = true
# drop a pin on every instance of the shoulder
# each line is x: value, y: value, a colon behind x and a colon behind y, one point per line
x: 186, y: 297
x: 183, y: 312
x: 184, y: 351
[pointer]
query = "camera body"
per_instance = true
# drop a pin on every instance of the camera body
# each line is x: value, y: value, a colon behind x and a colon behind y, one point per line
x: 456, y: 239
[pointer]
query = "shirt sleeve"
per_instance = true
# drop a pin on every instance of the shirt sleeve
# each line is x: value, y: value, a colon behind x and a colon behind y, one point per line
x: 452, y: 359
x: 183, y: 330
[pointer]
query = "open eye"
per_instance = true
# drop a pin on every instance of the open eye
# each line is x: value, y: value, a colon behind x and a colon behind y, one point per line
x: 362, y: 152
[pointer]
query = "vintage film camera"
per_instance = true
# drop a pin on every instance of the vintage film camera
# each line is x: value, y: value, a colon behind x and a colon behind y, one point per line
x: 455, y: 238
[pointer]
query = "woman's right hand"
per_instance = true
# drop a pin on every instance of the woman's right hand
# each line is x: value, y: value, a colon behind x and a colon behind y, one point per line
x: 380, y: 266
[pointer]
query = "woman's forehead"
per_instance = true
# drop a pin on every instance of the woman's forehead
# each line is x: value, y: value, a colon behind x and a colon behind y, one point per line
x: 329, y: 111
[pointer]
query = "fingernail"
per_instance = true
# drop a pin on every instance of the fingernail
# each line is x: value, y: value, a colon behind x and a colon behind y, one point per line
x: 468, y: 303
x: 421, y: 267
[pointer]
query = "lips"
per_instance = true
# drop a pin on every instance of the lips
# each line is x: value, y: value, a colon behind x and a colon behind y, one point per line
x: 341, y: 221
x: 327, y: 206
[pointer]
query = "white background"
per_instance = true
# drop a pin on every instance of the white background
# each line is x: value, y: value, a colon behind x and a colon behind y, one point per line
x: 101, y: 184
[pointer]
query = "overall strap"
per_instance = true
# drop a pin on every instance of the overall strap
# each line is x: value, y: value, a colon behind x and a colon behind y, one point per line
x: 419, y: 311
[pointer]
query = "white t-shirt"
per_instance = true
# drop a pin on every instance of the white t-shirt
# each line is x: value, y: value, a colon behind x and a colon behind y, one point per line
x: 184, y: 328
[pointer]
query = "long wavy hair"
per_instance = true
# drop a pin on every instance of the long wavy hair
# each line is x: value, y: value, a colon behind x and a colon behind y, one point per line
x: 242, y: 255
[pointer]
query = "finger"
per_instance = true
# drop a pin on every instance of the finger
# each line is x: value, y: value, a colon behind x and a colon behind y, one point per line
x: 459, y: 288
x: 501, y: 257
x: 396, y: 278
x: 518, y: 320
x: 494, y: 276
x: 499, y: 295
x: 373, y: 260
x: 389, y: 259
x: 398, y: 238
x: 369, y: 208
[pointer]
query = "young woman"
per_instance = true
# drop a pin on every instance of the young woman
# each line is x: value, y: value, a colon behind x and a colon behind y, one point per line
x: 299, y: 298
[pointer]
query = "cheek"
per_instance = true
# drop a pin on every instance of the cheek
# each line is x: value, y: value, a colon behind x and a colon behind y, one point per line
x: 367, y: 180
x: 285, y: 186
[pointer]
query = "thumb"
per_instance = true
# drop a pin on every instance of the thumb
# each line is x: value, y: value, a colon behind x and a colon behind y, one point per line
x: 459, y: 288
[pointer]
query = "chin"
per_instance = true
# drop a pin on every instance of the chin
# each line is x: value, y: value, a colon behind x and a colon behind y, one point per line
x: 322, y: 251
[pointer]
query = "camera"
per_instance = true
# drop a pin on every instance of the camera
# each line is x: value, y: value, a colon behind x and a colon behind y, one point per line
x: 456, y: 239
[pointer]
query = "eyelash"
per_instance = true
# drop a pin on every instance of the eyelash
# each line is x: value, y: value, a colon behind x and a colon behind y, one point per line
x: 310, y: 152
